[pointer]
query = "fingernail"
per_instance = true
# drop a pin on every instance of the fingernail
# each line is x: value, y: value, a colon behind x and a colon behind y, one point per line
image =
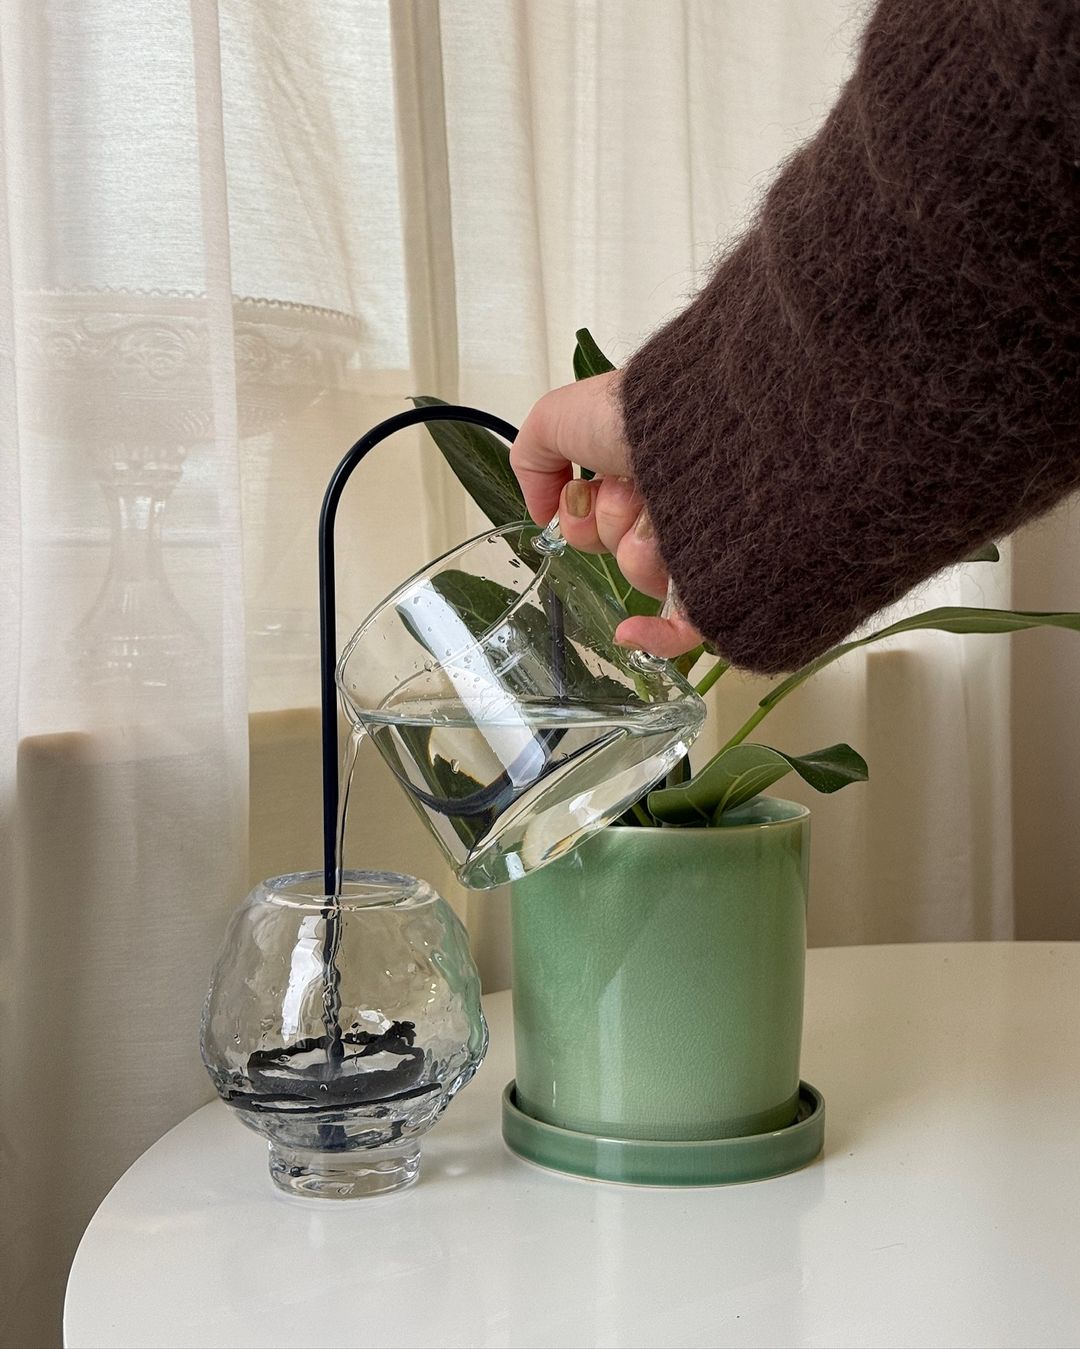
x: 643, y: 528
x: 578, y: 498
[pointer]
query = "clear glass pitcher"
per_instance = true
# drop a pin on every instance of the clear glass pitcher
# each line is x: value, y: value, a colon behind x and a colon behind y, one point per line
x: 492, y: 685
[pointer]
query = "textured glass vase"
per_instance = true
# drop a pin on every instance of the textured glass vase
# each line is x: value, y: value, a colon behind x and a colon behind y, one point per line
x: 341, y: 1027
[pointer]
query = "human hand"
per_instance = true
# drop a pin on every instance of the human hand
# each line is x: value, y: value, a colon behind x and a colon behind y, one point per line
x: 582, y: 424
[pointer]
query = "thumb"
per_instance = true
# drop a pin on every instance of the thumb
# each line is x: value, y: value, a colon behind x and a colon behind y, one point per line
x: 667, y: 637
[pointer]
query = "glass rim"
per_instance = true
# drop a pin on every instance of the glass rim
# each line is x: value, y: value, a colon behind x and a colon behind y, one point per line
x: 361, y: 890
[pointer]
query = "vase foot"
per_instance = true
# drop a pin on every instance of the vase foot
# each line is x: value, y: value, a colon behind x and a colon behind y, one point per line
x: 311, y: 1174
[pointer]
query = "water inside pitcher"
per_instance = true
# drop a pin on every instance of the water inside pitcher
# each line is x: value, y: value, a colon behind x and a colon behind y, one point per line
x: 492, y: 686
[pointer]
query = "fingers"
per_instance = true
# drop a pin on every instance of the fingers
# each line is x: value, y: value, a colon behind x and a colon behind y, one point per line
x: 667, y: 637
x: 591, y: 515
x: 581, y: 424
x: 639, y: 558
x: 596, y: 515
x: 578, y: 424
x: 608, y: 516
x: 541, y: 468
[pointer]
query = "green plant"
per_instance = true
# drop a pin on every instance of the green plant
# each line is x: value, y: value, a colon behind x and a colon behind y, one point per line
x: 742, y: 769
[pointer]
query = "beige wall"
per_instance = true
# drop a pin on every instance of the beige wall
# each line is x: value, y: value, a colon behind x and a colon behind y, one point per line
x: 1046, y: 735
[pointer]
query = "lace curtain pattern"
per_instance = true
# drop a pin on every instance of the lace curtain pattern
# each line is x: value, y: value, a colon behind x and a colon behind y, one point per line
x: 233, y: 235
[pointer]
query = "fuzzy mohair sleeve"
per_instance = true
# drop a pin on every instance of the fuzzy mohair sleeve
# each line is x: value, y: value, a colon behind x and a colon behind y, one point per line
x: 882, y: 374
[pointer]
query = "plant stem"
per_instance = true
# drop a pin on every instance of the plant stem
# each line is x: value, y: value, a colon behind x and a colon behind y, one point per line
x: 611, y: 580
x: 773, y: 698
x: 641, y: 815
x: 747, y: 726
x: 711, y: 676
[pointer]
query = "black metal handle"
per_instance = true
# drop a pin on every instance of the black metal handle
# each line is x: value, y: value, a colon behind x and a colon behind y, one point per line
x: 443, y: 412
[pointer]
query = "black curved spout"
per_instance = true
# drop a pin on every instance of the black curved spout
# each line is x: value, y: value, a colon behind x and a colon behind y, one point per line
x: 448, y: 412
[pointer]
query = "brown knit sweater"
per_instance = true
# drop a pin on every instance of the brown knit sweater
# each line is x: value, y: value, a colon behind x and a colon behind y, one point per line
x: 884, y: 372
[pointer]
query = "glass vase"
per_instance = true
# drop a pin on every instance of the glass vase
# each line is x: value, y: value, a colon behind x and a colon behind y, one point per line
x: 340, y: 1027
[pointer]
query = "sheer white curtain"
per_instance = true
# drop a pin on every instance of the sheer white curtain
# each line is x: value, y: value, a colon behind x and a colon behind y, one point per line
x: 234, y: 235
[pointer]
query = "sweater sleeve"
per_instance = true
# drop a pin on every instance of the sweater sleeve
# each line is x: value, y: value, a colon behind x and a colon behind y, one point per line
x: 884, y: 372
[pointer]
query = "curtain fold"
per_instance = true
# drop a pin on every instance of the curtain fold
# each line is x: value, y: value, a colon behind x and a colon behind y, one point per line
x: 125, y: 763
x: 233, y: 235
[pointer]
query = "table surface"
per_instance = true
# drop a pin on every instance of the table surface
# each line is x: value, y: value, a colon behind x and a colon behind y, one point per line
x: 944, y: 1211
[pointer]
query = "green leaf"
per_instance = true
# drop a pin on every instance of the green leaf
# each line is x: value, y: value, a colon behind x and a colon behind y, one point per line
x: 947, y: 619
x: 829, y: 769
x: 987, y: 553
x: 477, y: 600
x: 730, y: 778
x: 588, y: 358
x: 480, y: 603
x: 737, y: 774
x: 601, y: 571
x: 481, y: 463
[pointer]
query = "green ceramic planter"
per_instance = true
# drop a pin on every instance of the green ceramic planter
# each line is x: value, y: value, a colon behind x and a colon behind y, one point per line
x: 658, y: 994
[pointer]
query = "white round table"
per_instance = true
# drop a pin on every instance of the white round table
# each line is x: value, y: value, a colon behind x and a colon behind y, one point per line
x: 945, y: 1211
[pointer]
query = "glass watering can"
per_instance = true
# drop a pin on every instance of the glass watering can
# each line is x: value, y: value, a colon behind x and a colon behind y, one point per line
x: 492, y: 686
